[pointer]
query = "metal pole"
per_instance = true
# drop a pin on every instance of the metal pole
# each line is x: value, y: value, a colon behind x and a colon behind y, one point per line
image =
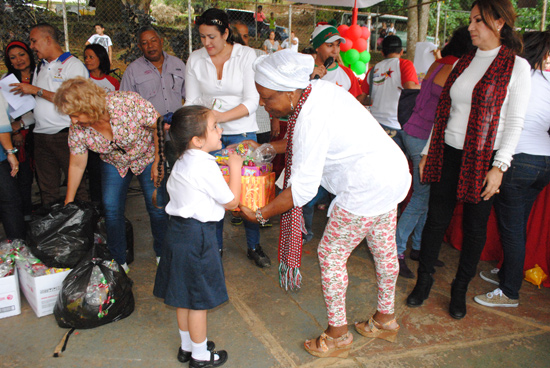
x: 65, y: 27
x: 543, y: 20
x: 289, y: 20
x: 445, y: 28
x: 369, y: 24
x: 437, y: 23
x: 314, y: 16
x: 190, y: 26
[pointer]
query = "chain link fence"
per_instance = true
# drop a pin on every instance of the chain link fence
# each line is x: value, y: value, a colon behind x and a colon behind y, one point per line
x: 122, y: 18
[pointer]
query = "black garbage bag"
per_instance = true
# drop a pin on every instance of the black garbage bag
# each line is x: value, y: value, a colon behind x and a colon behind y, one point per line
x: 96, y: 292
x: 63, y: 236
x: 100, y: 237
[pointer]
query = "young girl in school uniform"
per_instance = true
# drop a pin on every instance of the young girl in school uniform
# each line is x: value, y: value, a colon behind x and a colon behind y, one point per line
x: 190, y: 273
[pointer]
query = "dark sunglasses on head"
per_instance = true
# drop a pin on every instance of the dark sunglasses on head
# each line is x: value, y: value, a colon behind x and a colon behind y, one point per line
x: 209, y: 22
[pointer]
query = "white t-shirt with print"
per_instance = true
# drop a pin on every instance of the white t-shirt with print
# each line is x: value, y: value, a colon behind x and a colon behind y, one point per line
x: 102, y: 40
x: 339, y: 77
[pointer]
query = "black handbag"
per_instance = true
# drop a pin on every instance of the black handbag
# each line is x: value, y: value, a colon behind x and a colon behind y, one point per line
x: 407, y: 100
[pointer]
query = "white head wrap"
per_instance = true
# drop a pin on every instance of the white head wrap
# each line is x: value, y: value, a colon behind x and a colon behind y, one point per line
x: 284, y: 70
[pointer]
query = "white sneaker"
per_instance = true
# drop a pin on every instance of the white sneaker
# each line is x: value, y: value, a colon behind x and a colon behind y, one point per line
x: 158, y: 260
x: 490, y: 276
x: 125, y: 267
x: 496, y: 298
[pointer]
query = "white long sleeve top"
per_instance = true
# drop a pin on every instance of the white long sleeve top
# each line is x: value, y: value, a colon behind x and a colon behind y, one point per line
x: 339, y: 145
x: 513, y: 109
x: 236, y: 86
x: 534, y: 138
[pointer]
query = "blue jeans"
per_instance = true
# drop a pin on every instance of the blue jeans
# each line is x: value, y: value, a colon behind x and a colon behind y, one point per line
x: 252, y: 231
x: 397, y: 138
x: 115, y: 190
x: 412, y: 220
x: 11, y: 205
x: 521, y: 185
x: 308, y: 210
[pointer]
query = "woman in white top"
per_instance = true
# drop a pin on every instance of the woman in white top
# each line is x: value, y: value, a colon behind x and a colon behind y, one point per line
x: 526, y: 178
x: 220, y: 76
x: 271, y: 45
x: 354, y: 160
x: 478, y: 123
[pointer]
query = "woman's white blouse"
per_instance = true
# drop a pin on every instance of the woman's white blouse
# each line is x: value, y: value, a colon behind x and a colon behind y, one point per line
x: 339, y: 145
x: 513, y: 109
x: 236, y: 87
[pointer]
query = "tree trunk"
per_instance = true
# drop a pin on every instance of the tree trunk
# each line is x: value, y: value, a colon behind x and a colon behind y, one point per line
x: 423, y: 19
x: 144, y: 5
x: 108, y: 11
x: 412, y: 29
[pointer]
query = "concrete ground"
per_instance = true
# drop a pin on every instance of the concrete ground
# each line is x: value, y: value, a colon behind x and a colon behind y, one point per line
x: 265, y: 326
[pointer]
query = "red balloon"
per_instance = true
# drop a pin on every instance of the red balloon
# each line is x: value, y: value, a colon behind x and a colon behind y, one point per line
x: 346, y: 46
x: 360, y: 44
x: 354, y: 32
x: 366, y: 33
x: 343, y: 28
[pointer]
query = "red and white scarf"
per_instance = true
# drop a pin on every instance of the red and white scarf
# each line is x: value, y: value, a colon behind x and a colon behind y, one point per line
x: 290, y: 237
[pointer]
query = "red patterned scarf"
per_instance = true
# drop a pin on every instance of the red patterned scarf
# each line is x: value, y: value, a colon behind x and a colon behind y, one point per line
x: 487, y: 99
x: 290, y: 236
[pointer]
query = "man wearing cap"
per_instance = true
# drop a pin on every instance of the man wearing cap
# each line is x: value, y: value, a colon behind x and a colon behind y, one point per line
x: 326, y: 41
x: 389, y: 77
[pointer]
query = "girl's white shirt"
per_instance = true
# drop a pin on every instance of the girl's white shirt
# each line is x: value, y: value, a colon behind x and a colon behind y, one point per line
x: 197, y: 188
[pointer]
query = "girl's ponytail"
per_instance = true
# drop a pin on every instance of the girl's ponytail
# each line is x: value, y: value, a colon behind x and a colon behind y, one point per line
x: 162, y: 159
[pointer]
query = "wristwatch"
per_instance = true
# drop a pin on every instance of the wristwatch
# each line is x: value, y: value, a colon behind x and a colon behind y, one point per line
x: 12, y: 151
x: 40, y: 92
x: 501, y: 166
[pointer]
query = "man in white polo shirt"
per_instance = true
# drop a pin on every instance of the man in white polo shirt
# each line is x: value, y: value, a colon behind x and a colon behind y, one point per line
x: 51, y: 150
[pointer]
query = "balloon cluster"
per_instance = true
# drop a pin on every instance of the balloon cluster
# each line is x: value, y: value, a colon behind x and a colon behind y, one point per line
x: 354, y: 52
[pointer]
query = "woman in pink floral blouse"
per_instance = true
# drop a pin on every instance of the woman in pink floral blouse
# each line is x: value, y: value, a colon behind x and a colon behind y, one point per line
x: 122, y: 128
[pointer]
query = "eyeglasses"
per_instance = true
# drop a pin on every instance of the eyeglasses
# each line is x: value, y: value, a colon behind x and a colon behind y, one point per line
x: 116, y: 147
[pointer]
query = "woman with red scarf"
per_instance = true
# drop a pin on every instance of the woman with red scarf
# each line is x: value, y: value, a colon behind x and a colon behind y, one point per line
x: 478, y: 124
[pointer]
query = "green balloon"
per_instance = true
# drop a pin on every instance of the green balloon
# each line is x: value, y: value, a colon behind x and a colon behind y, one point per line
x: 343, y: 56
x: 359, y: 67
x: 352, y: 56
x: 364, y: 56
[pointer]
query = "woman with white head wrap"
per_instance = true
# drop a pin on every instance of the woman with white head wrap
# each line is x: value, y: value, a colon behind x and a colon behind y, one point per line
x: 333, y: 141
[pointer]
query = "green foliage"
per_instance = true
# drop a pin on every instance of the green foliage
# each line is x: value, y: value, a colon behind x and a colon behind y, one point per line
x: 16, y: 18
x: 133, y: 19
x: 458, y: 14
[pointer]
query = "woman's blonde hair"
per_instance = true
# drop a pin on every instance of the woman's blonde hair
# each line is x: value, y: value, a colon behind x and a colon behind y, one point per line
x: 81, y: 96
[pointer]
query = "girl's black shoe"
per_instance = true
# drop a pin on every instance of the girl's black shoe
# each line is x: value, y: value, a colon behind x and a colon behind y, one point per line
x: 222, y: 354
x: 185, y: 356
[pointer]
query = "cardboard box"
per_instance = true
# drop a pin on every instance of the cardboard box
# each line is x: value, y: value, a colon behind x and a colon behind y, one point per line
x: 42, y: 291
x: 10, y: 300
x: 256, y: 191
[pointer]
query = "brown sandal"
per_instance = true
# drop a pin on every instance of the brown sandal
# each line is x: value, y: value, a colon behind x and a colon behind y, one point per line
x: 371, y: 328
x: 339, y: 350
